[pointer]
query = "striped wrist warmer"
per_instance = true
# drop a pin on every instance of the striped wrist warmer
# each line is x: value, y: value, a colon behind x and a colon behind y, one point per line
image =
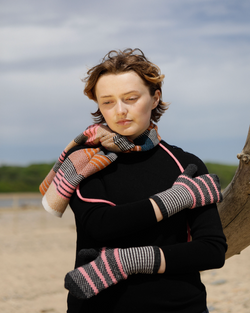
x: 173, y: 200
x: 143, y: 260
x: 111, y: 266
x: 189, y: 192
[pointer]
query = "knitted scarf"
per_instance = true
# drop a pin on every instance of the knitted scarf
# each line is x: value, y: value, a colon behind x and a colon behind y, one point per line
x: 101, y: 147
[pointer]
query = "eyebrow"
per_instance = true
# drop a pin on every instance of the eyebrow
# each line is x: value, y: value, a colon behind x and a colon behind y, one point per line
x: 124, y: 94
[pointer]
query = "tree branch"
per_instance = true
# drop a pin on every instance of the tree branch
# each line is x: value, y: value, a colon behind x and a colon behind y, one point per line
x: 235, y: 208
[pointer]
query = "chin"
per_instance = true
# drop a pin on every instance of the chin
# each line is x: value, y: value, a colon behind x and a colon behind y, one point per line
x: 124, y: 132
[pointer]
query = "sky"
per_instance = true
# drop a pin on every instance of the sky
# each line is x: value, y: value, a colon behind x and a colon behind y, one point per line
x: 201, y: 46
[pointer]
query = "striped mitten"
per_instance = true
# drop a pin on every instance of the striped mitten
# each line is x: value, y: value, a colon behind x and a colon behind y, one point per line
x: 188, y: 192
x: 111, y: 266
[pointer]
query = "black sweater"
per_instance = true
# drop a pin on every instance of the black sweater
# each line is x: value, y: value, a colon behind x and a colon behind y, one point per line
x: 129, y: 182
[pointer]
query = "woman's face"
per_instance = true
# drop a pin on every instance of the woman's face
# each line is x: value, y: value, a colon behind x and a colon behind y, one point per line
x: 125, y: 103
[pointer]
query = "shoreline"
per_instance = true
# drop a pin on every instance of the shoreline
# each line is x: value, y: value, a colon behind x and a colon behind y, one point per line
x: 4, y: 195
x: 22, y: 200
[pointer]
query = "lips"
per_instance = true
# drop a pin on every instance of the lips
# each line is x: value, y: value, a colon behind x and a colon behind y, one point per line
x: 123, y: 122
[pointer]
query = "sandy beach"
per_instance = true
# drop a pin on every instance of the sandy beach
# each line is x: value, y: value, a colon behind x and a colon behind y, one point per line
x: 37, y: 250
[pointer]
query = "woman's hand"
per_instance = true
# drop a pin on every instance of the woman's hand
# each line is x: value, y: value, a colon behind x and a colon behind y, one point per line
x: 111, y: 266
x: 187, y: 192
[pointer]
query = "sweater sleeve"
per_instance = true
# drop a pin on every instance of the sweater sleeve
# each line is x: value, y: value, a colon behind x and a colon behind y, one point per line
x: 103, y: 222
x: 207, y: 248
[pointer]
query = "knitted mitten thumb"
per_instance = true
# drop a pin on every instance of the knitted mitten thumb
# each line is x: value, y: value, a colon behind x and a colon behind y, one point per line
x: 110, y: 267
x: 88, y: 255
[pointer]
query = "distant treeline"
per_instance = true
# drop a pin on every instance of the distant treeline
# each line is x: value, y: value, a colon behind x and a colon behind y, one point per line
x: 28, y: 179
x: 23, y: 179
x: 225, y: 172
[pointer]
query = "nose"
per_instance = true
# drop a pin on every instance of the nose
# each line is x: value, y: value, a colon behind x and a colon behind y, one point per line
x: 121, y: 108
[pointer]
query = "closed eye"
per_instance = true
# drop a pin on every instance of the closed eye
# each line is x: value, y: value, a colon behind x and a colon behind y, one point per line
x: 106, y: 102
x: 132, y: 99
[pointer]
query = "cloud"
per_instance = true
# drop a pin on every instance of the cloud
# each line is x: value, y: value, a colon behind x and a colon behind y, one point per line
x: 202, y: 47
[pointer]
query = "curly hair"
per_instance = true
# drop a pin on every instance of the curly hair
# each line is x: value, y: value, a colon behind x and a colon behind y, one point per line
x: 116, y: 62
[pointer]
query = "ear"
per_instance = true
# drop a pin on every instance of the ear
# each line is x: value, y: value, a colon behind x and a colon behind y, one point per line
x: 156, y: 99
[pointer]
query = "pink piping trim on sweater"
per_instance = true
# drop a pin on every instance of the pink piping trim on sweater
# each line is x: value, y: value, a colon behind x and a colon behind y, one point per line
x: 171, y: 154
x: 113, y: 204
x: 182, y: 170
x: 93, y: 200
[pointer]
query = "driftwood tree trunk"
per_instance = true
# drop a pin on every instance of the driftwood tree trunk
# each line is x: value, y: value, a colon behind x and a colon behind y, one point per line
x: 235, y: 208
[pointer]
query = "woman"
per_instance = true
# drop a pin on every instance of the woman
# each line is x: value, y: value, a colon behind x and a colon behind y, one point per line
x: 130, y: 193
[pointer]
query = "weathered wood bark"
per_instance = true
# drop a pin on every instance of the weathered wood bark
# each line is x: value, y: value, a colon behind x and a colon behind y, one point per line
x: 235, y: 208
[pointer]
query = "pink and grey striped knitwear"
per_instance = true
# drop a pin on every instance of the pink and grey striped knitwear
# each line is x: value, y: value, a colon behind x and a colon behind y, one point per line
x: 189, y: 192
x: 110, y: 267
x: 103, y: 147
